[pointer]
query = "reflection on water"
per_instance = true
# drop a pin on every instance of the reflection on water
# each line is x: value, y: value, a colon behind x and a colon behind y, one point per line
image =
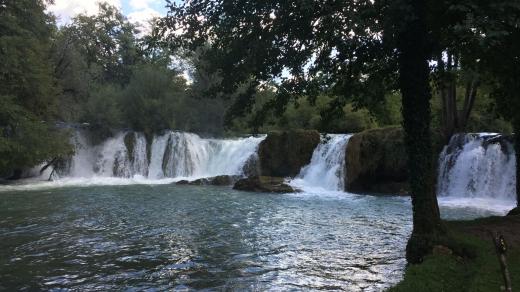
x: 172, y: 237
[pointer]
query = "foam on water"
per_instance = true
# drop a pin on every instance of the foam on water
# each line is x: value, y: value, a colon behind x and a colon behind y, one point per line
x: 41, y: 184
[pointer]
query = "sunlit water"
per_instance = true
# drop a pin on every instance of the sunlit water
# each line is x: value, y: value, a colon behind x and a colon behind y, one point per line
x: 138, y: 237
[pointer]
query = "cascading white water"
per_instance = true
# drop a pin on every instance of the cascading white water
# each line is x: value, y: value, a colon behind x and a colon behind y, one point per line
x: 172, y: 155
x: 155, y: 170
x: 187, y: 155
x: 140, y: 155
x: 81, y: 164
x: 327, y: 167
x: 473, y: 169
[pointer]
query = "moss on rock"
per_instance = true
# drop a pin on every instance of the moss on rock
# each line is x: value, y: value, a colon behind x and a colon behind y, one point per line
x: 376, y: 162
x: 283, y: 154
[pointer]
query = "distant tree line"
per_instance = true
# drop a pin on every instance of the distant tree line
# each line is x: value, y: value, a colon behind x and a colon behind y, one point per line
x: 270, y: 74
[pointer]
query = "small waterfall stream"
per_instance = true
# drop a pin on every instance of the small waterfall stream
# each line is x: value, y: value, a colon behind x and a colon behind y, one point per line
x: 326, y: 170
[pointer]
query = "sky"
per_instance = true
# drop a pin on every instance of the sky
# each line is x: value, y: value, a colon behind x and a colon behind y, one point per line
x: 137, y: 11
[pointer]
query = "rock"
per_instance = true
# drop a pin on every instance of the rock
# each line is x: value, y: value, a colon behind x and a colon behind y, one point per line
x: 377, y: 162
x: 263, y: 184
x: 252, y: 166
x: 221, y: 180
x: 129, y: 144
x: 283, y: 154
x: 514, y: 212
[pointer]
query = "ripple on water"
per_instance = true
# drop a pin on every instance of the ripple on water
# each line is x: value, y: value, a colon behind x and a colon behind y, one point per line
x: 167, y: 237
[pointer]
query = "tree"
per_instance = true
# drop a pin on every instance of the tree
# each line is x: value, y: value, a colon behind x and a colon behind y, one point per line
x: 108, y: 43
x: 347, y: 48
x: 26, y: 73
x: 152, y: 101
x: 414, y: 80
x: 502, y: 61
x: 27, y: 88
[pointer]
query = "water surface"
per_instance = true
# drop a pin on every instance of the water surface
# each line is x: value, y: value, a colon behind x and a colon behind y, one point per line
x: 186, y: 237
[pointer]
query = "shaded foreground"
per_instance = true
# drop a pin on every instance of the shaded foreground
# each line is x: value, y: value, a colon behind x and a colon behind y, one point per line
x: 473, y: 265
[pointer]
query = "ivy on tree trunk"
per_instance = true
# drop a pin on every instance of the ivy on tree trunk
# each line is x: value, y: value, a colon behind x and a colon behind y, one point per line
x: 415, y: 88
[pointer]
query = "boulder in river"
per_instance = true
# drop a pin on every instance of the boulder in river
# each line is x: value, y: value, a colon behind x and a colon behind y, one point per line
x: 377, y: 162
x: 267, y: 184
x: 283, y: 154
x: 221, y: 180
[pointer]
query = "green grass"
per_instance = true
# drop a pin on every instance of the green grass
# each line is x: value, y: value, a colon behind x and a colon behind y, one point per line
x: 477, y: 270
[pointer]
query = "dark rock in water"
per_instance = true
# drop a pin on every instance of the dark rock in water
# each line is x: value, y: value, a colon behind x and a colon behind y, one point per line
x: 16, y: 174
x: 263, y: 184
x: 283, y: 154
x: 221, y: 180
x: 514, y: 212
x: 252, y: 166
x: 377, y: 162
x: 505, y: 141
x: 167, y: 155
x: 130, y: 144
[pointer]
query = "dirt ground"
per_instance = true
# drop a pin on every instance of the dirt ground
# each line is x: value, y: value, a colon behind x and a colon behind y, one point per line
x: 508, y: 226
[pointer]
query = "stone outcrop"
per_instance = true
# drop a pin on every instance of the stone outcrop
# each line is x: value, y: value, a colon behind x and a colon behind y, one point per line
x: 376, y: 162
x: 129, y: 144
x: 265, y: 184
x: 283, y: 154
x: 252, y: 166
x: 221, y: 180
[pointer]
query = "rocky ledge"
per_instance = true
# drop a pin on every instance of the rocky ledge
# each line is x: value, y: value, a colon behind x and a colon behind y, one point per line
x: 283, y: 154
x: 376, y: 162
x: 266, y: 184
x: 221, y: 180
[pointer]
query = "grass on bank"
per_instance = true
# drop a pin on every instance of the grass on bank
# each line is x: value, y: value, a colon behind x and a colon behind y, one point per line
x: 478, y: 268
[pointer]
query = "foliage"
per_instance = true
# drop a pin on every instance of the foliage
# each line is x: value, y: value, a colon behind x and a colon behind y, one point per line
x: 25, y: 140
x: 477, y: 270
x: 107, y: 41
x: 261, y: 40
x: 102, y: 110
x: 152, y: 99
x: 27, y: 87
x: 26, y: 72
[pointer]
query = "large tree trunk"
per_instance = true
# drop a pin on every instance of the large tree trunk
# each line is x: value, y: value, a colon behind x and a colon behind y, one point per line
x: 469, y: 101
x: 453, y: 119
x: 416, y: 92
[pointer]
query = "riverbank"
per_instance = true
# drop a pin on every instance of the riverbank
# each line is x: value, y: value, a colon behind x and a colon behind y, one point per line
x: 475, y: 267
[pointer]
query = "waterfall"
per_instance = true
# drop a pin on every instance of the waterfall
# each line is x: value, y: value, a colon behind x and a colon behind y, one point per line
x: 171, y: 155
x: 81, y: 163
x: 327, y: 167
x: 140, y: 155
x: 477, y: 167
x: 155, y: 170
x: 178, y: 154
